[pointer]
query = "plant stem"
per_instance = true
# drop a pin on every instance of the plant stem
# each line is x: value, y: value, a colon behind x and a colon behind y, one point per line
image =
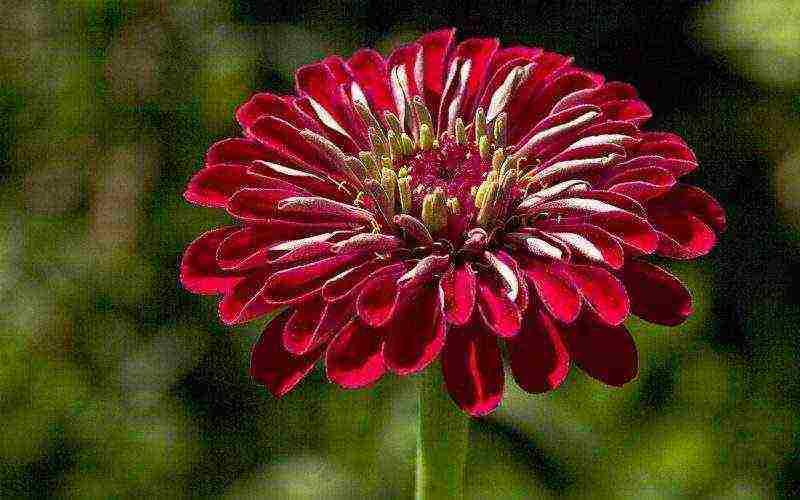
x: 441, y: 440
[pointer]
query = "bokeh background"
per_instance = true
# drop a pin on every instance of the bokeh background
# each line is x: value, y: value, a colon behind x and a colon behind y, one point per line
x: 114, y: 382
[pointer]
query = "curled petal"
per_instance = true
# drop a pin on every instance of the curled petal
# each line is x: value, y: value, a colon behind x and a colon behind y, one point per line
x: 557, y: 293
x: 415, y: 335
x: 200, y: 272
x: 298, y: 283
x: 656, y: 295
x: 274, y: 366
x: 354, y: 358
x: 458, y: 288
x: 605, y: 352
x: 377, y: 300
x: 539, y: 359
x: 244, y: 301
x: 604, y: 293
x: 298, y: 332
x: 499, y: 312
x: 473, y: 369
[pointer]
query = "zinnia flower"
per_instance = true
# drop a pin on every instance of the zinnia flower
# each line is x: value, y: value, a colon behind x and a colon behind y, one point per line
x: 440, y: 202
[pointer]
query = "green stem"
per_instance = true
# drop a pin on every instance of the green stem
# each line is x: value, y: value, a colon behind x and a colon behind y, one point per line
x: 441, y: 440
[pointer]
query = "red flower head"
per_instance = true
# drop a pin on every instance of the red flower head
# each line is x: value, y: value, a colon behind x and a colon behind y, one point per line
x: 439, y: 202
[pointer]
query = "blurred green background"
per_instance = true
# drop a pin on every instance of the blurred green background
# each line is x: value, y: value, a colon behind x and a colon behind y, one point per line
x: 114, y: 382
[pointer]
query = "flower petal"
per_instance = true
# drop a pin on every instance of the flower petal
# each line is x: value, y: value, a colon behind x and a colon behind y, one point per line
x: 606, y: 353
x: 244, y: 301
x: 603, y: 292
x: 275, y: 367
x: 557, y: 294
x: 298, y: 333
x: 354, y: 358
x: 473, y: 369
x: 539, y: 359
x: 656, y: 295
x: 377, y: 299
x: 458, y: 287
x: 200, y: 272
x: 498, y: 311
x: 415, y: 335
x: 298, y: 283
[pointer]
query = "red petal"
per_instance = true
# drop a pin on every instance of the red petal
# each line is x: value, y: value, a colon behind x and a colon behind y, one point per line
x: 236, y: 150
x: 606, y: 353
x: 372, y: 76
x: 244, y: 302
x: 256, y: 204
x: 354, y: 358
x: 459, y: 288
x: 199, y: 270
x: 473, y: 369
x: 604, y: 293
x: 275, y: 367
x: 351, y: 280
x: 213, y: 185
x: 683, y: 236
x: 298, y: 283
x: 556, y: 293
x: 692, y: 200
x: 435, y: 48
x: 539, y: 359
x: 460, y: 96
x: 378, y: 298
x: 266, y: 104
x: 416, y: 333
x: 499, y: 312
x: 298, y: 333
x: 656, y: 295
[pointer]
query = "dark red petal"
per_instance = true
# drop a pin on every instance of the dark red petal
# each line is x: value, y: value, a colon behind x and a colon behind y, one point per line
x: 634, y: 231
x: 604, y: 293
x: 244, y: 301
x: 632, y: 110
x: 656, y: 295
x: 473, y: 369
x: 213, y: 185
x: 354, y: 358
x: 298, y: 283
x: 266, y: 104
x: 689, y: 199
x: 498, y: 311
x: 199, y: 270
x: 377, y: 299
x: 350, y: 281
x: 275, y: 367
x: 539, y: 359
x: 415, y: 335
x: 682, y: 235
x: 591, y: 242
x: 435, y: 48
x: 298, y: 333
x: 459, y: 288
x: 256, y: 204
x: 318, y: 82
x: 334, y: 317
x: 464, y: 85
x: 522, y: 283
x: 506, y: 54
x: 642, y: 183
x: 372, y: 76
x: 286, y: 146
x: 606, y: 353
x: 556, y: 293
x: 236, y: 150
x: 309, y: 182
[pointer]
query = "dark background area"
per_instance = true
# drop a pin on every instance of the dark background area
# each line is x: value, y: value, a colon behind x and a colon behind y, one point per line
x: 115, y: 382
